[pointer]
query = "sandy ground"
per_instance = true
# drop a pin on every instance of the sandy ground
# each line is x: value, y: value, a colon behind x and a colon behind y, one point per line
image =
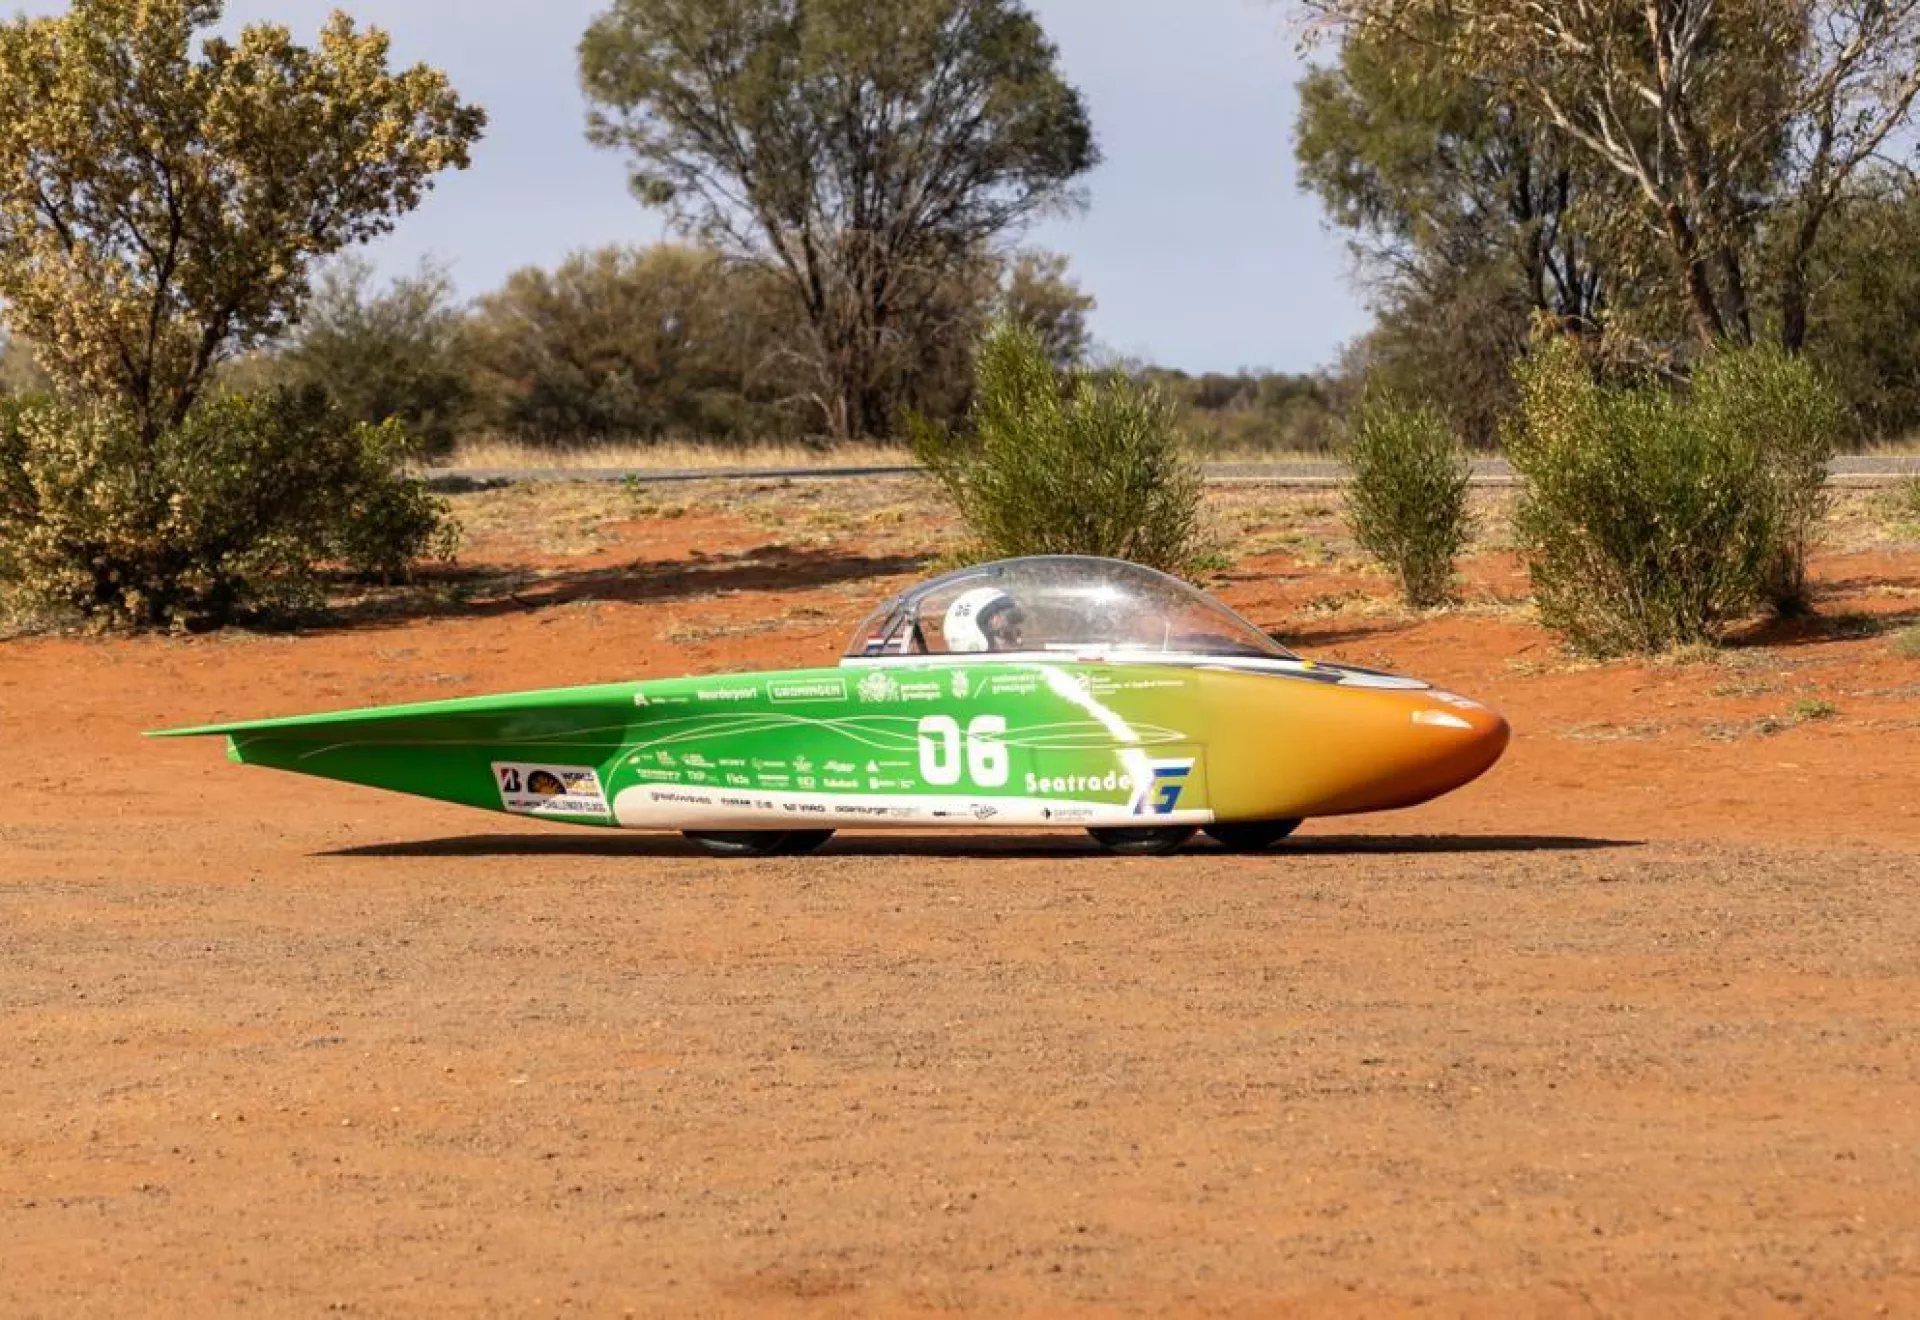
x: 1627, y: 1027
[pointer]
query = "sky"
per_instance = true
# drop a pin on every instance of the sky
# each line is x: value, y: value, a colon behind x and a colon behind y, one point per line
x: 1199, y: 249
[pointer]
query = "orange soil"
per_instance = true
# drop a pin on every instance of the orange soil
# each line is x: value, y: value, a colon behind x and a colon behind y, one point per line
x: 1627, y: 1025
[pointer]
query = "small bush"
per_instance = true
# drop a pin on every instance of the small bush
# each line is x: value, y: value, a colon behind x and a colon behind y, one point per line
x: 1407, y: 494
x: 1081, y: 464
x: 223, y: 517
x: 1651, y: 520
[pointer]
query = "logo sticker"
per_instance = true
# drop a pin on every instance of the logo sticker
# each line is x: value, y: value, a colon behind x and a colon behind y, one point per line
x: 822, y: 689
x: 550, y: 790
x: 1160, y: 795
x: 879, y: 686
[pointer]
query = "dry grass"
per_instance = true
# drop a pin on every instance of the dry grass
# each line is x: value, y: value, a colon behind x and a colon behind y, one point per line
x: 674, y: 456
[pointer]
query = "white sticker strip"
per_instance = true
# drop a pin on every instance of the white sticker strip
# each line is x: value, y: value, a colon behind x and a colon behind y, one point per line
x: 550, y: 790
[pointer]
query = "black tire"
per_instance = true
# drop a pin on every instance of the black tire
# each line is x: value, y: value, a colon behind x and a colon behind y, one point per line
x: 744, y: 843
x: 1143, y: 841
x: 803, y: 841
x: 1251, y: 835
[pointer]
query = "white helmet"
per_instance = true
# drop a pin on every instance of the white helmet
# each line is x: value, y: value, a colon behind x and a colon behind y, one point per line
x: 966, y: 622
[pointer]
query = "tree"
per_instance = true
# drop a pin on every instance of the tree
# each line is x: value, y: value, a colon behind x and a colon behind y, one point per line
x: 864, y: 148
x: 1037, y: 292
x: 393, y: 353
x: 1865, y: 326
x: 159, y: 209
x: 1739, y: 125
x: 1469, y: 218
x: 635, y: 344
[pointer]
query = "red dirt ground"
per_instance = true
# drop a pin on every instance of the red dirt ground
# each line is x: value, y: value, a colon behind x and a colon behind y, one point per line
x: 1628, y: 1026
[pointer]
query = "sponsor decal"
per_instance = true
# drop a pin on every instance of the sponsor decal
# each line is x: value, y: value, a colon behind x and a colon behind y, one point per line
x: 1013, y: 685
x: 739, y: 781
x: 817, y: 689
x: 802, y: 765
x: 778, y: 781
x: 1062, y: 785
x: 879, y: 686
x: 732, y: 763
x: 959, y: 685
x: 1161, y: 794
x: 665, y: 758
x: 683, y: 799
x: 923, y: 691
x: 839, y: 767
x: 982, y: 811
x: 695, y: 759
x: 758, y: 764
x: 550, y: 790
x: 1066, y: 813
x: 805, y: 781
x: 727, y: 694
x: 639, y: 698
x: 842, y: 783
x: 670, y: 776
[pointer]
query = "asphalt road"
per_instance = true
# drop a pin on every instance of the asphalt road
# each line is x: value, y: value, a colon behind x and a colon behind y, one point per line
x: 1858, y: 469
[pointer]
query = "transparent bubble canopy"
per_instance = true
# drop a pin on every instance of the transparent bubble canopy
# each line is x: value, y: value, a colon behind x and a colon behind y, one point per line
x: 1058, y: 603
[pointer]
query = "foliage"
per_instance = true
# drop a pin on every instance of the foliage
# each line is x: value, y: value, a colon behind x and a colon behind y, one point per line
x: 1650, y: 520
x: 1221, y: 412
x: 1734, y: 128
x: 1866, y: 318
x: 1036, y: 290
x: 1778, y: 407
x: 1406, y: 497
x: 1083, y: 464
x: 862, y: 148
x: 625, y: 344
x: 222, y: 517
x: 393, y: 354
x: 1468, y: 217
x: 158, y: 209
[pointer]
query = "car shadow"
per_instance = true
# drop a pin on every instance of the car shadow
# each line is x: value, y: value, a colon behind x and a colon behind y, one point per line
x: 984, y: 847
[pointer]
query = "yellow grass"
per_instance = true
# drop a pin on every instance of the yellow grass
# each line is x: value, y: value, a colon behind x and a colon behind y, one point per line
x: 675, y: 455
x: 686, y: 455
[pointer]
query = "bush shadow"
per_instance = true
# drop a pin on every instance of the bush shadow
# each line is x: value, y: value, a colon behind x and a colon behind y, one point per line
x: 487, y: 591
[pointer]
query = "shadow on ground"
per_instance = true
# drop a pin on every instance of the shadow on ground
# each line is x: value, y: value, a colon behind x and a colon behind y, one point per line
x: 986, y: 847
x: 495, y: 590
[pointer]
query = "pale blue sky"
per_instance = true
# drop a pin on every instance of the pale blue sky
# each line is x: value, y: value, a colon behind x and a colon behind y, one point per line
x: 1199, y: 248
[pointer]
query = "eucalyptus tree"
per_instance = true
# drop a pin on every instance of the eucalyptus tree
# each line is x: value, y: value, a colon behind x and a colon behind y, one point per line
x: 864, y: 148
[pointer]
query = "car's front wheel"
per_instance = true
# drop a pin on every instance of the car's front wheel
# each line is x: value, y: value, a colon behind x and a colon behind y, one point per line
x: 758, y: 843
x: 1143, y: 841
x: 1251, y: 835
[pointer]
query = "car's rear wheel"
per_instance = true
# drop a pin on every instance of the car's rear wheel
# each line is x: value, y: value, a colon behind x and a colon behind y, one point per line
x: 757, y: 843
x: 1144, y: 841
x: 1251, y: 835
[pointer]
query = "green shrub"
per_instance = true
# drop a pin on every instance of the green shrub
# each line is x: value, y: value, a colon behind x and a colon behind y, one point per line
x: 1652, y: 520
x: 1406, y: 496
x: 1763, y: 400
x: 223, y: 517
x: 1080, y: 464
x: 392, y: 353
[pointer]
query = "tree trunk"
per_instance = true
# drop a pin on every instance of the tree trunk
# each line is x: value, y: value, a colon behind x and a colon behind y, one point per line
x: 1705, y: 310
